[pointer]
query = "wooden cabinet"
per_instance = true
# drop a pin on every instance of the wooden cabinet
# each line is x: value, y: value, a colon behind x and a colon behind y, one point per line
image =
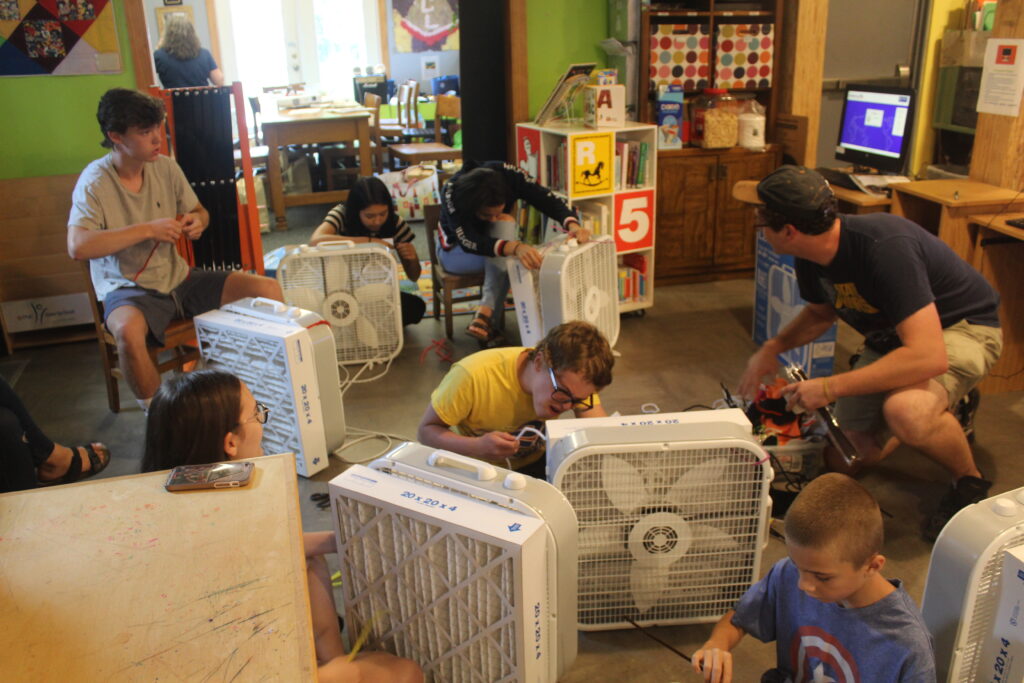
x: 703, y: 233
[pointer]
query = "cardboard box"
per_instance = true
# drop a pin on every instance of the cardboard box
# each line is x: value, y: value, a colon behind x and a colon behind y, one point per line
x: 46, y: 312
x: 604, y: 106
x: 777, y: 301
x: 963, y: 48
x: 1003, y: 654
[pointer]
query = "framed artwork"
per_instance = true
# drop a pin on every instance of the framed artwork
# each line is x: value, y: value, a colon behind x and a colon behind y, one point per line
x: 425, y: 25
x: 165, y: 13
x: 58, y: 38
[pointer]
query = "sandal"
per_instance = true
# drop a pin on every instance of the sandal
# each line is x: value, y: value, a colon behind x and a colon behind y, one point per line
x: 99, y: 458
x: 480, y: 328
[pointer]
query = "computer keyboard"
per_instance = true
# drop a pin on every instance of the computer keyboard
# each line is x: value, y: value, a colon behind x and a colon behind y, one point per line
x: 837, y: 178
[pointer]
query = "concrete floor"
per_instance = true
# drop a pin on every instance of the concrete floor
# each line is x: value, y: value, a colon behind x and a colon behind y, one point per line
x: 693, y: 338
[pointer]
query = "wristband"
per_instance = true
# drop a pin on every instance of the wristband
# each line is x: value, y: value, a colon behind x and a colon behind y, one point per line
x: 828, y: 394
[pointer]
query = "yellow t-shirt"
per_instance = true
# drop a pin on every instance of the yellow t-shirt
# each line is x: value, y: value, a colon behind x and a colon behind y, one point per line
x: 481, y: 393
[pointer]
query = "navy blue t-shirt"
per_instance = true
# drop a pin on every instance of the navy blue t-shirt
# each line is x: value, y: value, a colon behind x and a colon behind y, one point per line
x: 184, y: 73
x: 887, y: 268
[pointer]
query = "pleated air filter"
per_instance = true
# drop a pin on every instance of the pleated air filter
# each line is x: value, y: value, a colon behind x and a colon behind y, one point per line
x: 574, y: 282
x: 466, y: 568
x: 673, y: 515
x: 285, y: 356
x: 355, y: 288
x: 972, y: 599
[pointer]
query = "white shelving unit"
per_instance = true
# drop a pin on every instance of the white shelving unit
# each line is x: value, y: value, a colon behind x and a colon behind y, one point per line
x: 591, y: 168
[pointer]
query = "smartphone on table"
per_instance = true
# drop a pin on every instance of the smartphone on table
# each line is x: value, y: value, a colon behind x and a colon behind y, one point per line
x: 217, y: 475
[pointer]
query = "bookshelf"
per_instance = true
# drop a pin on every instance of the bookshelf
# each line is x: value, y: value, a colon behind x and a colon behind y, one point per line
x: 609, y: 175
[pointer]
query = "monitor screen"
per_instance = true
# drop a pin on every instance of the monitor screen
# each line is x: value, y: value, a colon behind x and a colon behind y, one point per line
x: 875, y: 128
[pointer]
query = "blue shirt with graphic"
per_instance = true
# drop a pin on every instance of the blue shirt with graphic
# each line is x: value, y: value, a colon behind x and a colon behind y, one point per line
x: 818, y: 641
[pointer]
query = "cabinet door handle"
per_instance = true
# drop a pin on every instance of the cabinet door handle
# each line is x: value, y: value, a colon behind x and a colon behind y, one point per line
x: 723, y: 172
x: 712, y: 172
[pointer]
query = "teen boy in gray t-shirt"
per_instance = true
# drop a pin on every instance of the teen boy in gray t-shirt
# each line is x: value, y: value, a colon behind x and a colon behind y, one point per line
x: 129, y: 209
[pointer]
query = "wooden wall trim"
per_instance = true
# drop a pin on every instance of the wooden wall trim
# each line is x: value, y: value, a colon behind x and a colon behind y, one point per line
x: 999, y: 140
x: 138, y: 40
x: 517, y: 96
x: 211, y: 22
x: 802, y: 65
x: 382, y: 21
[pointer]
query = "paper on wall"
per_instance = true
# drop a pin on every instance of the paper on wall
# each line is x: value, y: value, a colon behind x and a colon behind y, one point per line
x: 1002, y: 77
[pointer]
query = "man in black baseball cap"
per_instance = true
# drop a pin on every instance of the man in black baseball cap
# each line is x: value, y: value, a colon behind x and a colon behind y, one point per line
x: 930, y: 324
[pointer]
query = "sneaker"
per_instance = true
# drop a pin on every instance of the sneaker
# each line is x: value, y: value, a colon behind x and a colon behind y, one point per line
x: 966, y: 491
x: 965, y: 411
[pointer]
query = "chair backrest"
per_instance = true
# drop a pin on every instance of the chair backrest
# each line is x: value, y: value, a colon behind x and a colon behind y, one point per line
x: 412, y: 105
x: 372, y: 102
x: 257, y: 124
x: 448, y: 108
x: 431, y: 220
x: 403, y: 104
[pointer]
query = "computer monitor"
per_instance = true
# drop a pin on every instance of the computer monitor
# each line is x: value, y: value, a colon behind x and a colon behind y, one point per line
x: 875, y: 127
x: 364, y: 84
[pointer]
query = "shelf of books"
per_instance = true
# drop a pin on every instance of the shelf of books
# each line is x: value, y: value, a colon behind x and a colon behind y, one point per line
x: 608, y: 175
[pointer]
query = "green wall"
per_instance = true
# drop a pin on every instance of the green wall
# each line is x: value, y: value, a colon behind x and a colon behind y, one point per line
x: 560, y: 33
x: 49, y: 122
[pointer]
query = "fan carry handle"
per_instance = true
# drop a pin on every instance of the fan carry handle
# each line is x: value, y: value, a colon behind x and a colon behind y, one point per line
x: 481, y: 470
x: 329, y: 244
x: 258, y: 302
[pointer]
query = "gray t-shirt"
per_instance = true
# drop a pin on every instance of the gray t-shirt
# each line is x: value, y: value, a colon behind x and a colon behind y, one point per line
x: 101, y: 202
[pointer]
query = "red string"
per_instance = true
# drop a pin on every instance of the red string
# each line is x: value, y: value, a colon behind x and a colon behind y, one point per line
x: 441, y: 347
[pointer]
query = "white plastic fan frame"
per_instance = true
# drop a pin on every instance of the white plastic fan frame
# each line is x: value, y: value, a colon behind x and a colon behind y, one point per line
x: 458, y: 584
x: 962, y: 593
x: 355, y: 287
x: 515, y: 491
x: 673, y: 518
x: 580, y: 282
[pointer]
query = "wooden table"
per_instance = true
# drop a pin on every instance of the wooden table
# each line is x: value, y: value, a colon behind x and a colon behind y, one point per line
x: 943, y: 207
x: 117, y: 579
x: 998, y: 255
x: 858, y: 202
x: 325, y: 126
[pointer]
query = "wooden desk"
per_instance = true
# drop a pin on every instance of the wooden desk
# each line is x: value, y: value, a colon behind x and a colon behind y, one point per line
x: 943, y: 207
x: 324, y: 127
x: 998, y: 254
x: 117, y: 579
x: 857, y: 202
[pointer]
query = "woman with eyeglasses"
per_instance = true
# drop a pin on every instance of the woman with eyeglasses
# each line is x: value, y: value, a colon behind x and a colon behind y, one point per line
x: 209, y: 416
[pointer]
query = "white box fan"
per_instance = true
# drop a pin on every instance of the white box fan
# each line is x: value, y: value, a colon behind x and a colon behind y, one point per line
x: 967, y: 589
x: 286, y: 357
x: 466, y: 568
x: 574, y: 282
x: 672, y: 516
x: 355, y: 288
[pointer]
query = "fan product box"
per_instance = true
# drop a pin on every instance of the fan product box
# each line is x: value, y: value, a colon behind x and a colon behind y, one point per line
x: 1004, y: 652
x: 604, y: 106
x: 285, y: 355
x: 673, y: 130
x: 777, y: 301
x: 466, y: 568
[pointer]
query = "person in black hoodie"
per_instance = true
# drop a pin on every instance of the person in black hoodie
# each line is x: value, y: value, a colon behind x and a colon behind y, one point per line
x: 477, y: 232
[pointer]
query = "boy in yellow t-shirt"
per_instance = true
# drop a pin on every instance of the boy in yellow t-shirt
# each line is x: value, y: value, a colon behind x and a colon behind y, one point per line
x: 484, y: 402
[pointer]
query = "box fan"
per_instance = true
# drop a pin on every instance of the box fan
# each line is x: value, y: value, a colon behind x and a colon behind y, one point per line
x: 466, y: 568
x: 355, y: 288
x: 285, y: 355
x: 673, y: 513
x: 972, y: 599
x: 574, y: 282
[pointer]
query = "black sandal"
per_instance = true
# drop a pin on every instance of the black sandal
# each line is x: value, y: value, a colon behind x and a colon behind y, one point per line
x: 480, y: 328
x: 74, y: 472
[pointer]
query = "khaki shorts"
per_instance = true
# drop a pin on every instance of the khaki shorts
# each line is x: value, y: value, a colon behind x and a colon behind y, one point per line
x: 972, y: 351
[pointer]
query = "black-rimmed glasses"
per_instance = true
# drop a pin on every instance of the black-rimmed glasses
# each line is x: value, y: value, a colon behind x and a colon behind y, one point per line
x: 261, y: 415
x: 562, y: 395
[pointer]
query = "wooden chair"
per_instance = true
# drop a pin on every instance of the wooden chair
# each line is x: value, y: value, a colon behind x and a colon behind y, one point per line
x: 350, y: 152
x: 179, y: 341
x: 448, y: 108
x: 446, y: 283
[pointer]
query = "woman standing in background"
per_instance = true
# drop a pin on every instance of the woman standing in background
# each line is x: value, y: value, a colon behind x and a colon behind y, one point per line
x: 180, y: 61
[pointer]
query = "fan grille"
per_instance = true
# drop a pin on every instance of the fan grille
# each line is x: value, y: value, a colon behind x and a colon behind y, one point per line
x: 681, y: 527
x: 590, y: 288
x: 986, y: 604
x: 434, y: 595
x: 356, y: 291
x: 262, y: 364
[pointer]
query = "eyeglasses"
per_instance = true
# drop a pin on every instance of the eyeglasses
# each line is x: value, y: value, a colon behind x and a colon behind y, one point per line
x: 562, y: 395
x: 261, y: 415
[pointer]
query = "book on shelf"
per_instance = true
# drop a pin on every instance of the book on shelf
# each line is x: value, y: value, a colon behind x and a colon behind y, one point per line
x: 632, y: 284
x: 576, y: 76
